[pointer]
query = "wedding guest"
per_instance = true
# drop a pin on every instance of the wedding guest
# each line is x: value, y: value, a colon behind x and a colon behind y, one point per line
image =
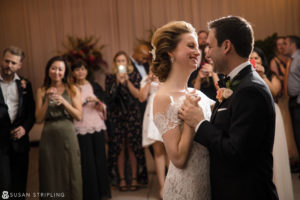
x: 203, y: 78
x: 17, y: 118
x: 293, y: 84
x: 281, y: 170
x: 58, y: 102
x: 151, y: 136
x: 126, y: 131
x: 140, y: 62
x: 279, y: 63
x: 90, y: 133
x: 279, y: 66
x: 202, y: 38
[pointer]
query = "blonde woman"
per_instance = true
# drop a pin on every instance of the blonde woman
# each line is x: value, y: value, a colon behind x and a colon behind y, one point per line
x: 125, y: 133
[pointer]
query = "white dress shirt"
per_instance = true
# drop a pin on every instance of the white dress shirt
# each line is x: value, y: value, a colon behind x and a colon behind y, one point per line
x: 140, y: 68
x: 232, y: 74
x: 11, y: 96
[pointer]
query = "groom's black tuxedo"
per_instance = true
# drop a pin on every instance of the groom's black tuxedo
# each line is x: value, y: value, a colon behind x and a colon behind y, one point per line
x: 14, y: 153
x: 240, y: 139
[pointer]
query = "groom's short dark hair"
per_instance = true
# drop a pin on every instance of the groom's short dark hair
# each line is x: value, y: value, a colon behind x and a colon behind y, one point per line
x: 237, y: 30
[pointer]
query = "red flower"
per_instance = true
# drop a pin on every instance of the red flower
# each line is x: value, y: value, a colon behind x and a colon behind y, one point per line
x: 91, y: 58
x: 81, y: 52
x: 23, y: 84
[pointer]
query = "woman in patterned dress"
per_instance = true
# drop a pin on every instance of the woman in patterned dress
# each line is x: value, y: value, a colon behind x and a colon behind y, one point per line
x: 126, y: 132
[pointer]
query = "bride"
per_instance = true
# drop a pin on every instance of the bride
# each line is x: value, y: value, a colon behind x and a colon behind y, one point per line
x: 176, y: 56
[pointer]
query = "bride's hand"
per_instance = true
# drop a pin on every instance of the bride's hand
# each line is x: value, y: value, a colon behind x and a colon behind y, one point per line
x: 190, y: 112
x: 193, y: 97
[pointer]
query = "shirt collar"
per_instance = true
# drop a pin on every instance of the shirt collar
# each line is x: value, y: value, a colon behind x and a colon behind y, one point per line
x: 135, y: 62
x: 16, y: 77
x: 236, y: 70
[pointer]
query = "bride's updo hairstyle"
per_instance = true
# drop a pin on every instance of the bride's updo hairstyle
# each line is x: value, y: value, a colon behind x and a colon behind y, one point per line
x: 165, y: 40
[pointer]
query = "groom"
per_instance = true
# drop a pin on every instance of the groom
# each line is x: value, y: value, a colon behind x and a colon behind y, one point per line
x: 240, y: 134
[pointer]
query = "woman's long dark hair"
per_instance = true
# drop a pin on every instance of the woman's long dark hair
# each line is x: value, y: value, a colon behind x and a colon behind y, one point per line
x: 66, y: 78
x: 264, y: 61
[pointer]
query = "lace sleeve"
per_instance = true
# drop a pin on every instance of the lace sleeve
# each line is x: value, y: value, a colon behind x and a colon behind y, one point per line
x: 167, y: 120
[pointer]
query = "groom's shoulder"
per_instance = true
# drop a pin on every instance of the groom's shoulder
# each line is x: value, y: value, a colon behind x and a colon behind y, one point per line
x: 254, y: 84
x: 253, y: 80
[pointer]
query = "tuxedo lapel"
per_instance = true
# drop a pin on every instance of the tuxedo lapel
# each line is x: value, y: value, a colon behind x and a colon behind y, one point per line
x: 244, y: 72
x: 214, y: 111
x: 1, y: 96
x: 20, y: 93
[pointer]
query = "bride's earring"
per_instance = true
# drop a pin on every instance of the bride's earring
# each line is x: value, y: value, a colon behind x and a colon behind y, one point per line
x: 172, y: 59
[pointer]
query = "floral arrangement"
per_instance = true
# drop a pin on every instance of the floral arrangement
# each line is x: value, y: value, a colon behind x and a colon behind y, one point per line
x: 268, y: 45
x: 86, y: 50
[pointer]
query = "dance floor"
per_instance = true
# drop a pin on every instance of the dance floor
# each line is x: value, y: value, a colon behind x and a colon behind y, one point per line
x: 147, y: 193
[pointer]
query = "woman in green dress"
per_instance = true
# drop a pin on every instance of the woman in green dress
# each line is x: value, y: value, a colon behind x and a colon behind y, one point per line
x: 58, y: 102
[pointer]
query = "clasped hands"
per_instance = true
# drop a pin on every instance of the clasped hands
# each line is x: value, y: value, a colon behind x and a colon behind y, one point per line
x: 17, y: 133
x: 190, y: 112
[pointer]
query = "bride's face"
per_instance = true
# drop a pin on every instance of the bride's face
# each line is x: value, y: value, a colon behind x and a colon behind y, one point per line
x: 187, y: 53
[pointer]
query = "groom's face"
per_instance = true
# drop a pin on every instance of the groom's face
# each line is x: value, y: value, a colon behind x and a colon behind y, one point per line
x: 215, y: 52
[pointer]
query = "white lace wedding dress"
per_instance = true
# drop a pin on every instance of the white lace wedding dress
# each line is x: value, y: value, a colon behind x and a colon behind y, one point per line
x: 192, y: 182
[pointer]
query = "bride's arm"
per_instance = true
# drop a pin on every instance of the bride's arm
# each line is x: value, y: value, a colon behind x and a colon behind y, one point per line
x: 177, y: 143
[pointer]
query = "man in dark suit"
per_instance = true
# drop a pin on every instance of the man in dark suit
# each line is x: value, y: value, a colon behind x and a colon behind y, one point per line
x: 16, y: 119
x: 140, y: 62
x: 240, y: 134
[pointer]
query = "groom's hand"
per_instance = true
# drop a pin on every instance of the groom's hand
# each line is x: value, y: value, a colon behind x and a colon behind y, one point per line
x: 190, y: 112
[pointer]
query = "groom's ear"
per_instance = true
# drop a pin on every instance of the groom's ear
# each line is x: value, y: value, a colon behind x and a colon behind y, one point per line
x: 227, y: 46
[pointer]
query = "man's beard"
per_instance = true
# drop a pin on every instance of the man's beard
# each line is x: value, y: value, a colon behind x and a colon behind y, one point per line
x: 7, y: 73
x: 219, y: 68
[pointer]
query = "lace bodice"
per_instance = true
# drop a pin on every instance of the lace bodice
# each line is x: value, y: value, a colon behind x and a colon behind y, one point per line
x: 169, y: 120
x: 193, y: 181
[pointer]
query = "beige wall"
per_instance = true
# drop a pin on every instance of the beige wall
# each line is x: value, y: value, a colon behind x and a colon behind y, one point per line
x: 40, y: 26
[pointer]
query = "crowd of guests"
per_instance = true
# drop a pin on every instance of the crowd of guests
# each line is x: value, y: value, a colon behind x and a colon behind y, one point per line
x: 77, y: 113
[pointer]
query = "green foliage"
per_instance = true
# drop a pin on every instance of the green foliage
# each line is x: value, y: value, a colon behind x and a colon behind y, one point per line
x: 268, y: 45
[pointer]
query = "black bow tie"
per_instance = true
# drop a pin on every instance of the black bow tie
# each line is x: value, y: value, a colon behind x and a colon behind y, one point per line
x: 222, y: 82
